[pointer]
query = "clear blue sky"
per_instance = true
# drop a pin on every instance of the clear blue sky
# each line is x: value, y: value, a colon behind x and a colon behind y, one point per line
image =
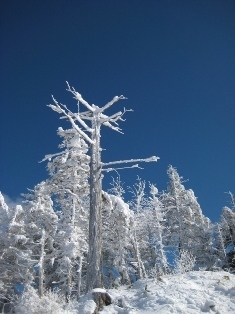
x: 174, y: 60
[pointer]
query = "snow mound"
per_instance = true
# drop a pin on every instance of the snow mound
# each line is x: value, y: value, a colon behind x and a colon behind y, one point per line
x: 99, y: 290
x: 193, y: 292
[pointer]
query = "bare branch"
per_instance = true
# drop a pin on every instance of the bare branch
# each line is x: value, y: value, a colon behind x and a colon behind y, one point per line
x: 55, y: 108
x: 109, y: 104
x: 115, y: 169
x: 105, y: 120
x: 86, y: 117
x: 112, y: 118
x: 50, y: 156
x: 84, y: 135
x: 150, y: 159
x: 113, y: 127
x: 70, y: 192
x: 77, y: 117
x: 77, y: 128
x: 78, y: 97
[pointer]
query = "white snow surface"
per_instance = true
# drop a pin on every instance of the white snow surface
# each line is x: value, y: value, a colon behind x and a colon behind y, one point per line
x: 193, y: 292
x: 99, y: 290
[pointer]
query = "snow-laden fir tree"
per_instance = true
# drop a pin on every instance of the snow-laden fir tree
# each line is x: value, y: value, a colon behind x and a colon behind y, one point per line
x: 227, y: 227
x: 69, y: 172
x: 178, y: 215
x: 41, y: 225
x: 158, y: 231
x: 87, y: 123
x: 219, y: 254
x: 189, y: 230
x: 118, y: 222
x: 141, y: 248
x: 232, y: 201
x: 149, y: 228
x: 201, y: 233
x: 15, y: 256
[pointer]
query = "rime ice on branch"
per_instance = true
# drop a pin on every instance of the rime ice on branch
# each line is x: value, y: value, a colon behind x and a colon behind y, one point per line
x: 87, y: 124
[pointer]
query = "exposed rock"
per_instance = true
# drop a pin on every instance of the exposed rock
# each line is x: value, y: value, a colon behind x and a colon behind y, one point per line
x: 101, y: 298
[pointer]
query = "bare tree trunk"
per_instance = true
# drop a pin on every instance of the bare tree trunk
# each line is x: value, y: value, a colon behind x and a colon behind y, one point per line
x: 121, y: 263
x: 70, y: 283
x: 222, y: 244
x: 70, y: 269
x: 79, y: 277
x: 141, y: 268
x: 94, y: 268
x: 41, y: 265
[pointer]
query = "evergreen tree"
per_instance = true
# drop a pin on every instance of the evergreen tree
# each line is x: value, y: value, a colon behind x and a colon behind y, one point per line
x: 201, y: 233
x: 219, y: 247
x: 158, y: 231
x: 178, y: 214
x: 141, y: 248
x: 118, y: 224
x: 41, y: 225
x: 189, y: 229
x: 69, y: 172
x: 228, y: 231
x: 15, y: 256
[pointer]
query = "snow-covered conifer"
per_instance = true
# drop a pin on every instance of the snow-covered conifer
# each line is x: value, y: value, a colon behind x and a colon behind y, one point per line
x: 201, y: 232
x: 228, y: 231
x: 41, y: 225
x: 141, y: 248
x: 158, y: 230
x: 189, y: 228
x: 69, y: 172
x: 118, y: 224
x: 177, y: 212
x: 15, y: 256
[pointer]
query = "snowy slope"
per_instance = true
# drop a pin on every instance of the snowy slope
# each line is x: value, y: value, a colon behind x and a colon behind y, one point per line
x: 193, y: 292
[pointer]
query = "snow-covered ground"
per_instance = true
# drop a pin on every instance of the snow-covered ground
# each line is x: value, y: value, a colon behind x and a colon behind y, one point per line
x: 193, y: 292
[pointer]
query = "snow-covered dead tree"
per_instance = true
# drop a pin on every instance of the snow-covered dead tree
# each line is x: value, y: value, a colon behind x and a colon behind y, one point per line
x: 87, y: 124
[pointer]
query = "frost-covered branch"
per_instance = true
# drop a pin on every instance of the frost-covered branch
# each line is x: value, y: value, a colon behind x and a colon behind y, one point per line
x: 115, y: 128
x: 115, y: 117
x: 112, y: 118
x: 150, y: 159
x: 109, y: 104
x: 50, y: 156
x: 115, y: 169
x: 79, y: 98
x: 58, y: 109
x: 232, y: 200
x: 77, y: 117
x: 105, y: 120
